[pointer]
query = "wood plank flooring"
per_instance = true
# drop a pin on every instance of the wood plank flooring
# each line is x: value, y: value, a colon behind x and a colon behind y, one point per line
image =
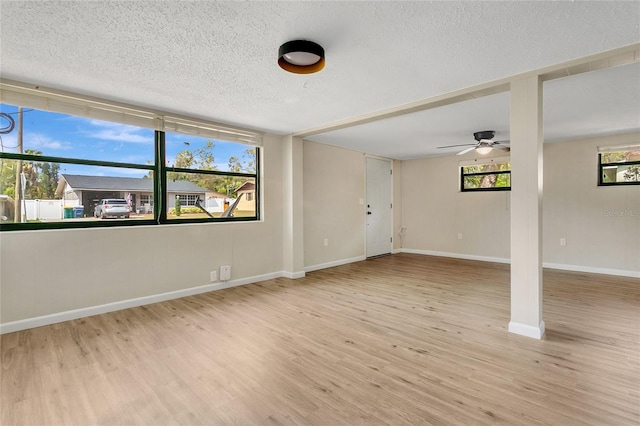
x: 402, y: 339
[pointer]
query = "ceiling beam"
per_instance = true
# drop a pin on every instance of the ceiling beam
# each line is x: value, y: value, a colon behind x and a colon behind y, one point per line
x: 608, y: 59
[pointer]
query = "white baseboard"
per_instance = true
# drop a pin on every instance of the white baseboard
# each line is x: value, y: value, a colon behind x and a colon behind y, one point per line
x: 24, y: 324
x: 591, y: 270
x: 293, y: 275
x: 396, y: 251
x: 334, y: 263
x: 575, y: 268
x: 456, y: 255
x: 40, y: 321
x: 527, y: 330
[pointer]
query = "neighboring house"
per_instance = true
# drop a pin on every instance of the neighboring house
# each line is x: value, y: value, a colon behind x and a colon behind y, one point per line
x: 89, y: 190
x: 247, y: 194
x: 216, y: 202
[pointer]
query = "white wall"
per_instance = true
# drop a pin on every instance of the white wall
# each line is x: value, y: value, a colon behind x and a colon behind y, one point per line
x: 574, y: 207
x: 601, y: 224
x: 435, y: 211
x: 333, y: 187
x: 117, y: 264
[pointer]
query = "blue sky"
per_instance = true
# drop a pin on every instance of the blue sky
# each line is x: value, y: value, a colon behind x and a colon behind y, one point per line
x: 61, y: 135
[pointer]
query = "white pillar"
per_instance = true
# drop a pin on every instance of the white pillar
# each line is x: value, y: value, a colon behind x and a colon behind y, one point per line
x: 292, y: 216
x: 526, y: 207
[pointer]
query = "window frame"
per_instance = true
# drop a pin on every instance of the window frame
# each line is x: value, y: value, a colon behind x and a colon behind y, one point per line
x: 14, y: 226
x: 602, y: 165
x: 164, y: 169
x: 29, y: 96
x: 497, y: 160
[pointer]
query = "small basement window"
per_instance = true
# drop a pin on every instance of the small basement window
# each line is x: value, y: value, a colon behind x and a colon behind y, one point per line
x: 492, y: 174
x: 619, y: 165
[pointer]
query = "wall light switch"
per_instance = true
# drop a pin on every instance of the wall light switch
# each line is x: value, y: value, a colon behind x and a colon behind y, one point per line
x: 326, y: 242
x: 459, y: 235
x: 563, y: 242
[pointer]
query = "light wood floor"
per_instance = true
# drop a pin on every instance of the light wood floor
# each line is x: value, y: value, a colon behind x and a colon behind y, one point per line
x: 403, y: 339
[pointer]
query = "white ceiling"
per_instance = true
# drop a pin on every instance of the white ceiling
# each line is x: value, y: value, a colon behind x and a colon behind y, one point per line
x: 217, y: 60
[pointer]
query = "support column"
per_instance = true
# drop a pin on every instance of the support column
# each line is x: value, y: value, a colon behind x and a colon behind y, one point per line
x: 526, y: 207
x: 292, y: 210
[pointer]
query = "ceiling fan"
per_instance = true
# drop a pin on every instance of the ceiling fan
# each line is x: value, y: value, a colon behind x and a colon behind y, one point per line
x: 484, y: 143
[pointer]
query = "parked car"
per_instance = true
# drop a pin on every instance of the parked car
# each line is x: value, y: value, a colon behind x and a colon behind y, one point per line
x: 112, y: 207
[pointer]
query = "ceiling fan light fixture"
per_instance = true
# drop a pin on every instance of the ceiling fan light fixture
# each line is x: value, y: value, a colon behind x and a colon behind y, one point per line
x: 301, y: 57
x: 484, y: 135
x: 483, y: 150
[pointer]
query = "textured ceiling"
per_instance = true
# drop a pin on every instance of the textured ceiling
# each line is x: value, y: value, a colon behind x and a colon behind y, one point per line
x: 217, y: 60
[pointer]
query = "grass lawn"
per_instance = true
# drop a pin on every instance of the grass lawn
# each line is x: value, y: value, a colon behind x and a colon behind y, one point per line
x: 237, y: 213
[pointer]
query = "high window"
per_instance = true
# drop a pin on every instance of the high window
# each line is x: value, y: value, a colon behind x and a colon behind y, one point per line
x: 61, y: 154
x: 492, y: 174
x: 619, y: 166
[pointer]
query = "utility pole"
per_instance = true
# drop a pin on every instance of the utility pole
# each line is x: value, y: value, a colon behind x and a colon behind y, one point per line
x: 17, y: 216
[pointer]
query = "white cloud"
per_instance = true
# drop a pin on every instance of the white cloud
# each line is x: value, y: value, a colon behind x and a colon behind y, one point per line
x: 39, y: 141
x: 118, y: 132
x: 120, y: 136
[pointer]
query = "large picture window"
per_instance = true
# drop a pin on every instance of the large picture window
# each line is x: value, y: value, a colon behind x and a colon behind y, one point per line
x: 619, y: 166
x: 492, y: 174
x: 113, y: 165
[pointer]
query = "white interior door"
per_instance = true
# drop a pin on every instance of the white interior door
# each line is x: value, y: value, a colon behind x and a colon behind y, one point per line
x: 379, y: 207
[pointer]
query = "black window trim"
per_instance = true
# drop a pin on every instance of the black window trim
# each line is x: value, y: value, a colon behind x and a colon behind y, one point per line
x: 602, y: 165
x: 500, y: 172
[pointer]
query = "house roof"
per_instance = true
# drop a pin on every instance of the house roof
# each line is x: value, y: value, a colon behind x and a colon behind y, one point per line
x: 111, y: 183
x: 247, y: 186
x: 216, y: 194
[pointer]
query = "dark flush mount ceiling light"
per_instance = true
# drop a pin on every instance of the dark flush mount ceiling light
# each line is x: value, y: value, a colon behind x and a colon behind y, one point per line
x: 301, y: 57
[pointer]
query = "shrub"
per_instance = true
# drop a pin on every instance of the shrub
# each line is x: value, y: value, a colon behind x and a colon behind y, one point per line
x: 185, y: 210
x: 178, y: 209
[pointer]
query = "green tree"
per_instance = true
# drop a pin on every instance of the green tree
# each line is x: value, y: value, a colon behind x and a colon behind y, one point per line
x: 632, y: 174
x: 203, y: 158
x: 8, y: 177
x: 41, y: 177
x: 185, y: 160
x: 177, y: 206
x: 48, y: 180
x: 249, y: 156
x: 610, y: 174
x: 498, y: 180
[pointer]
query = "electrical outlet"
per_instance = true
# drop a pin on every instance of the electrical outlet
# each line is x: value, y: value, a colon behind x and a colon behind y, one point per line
x: 213, y: 275
x: 225, y: 272
x: 563, y: 242
x: 326, y: 242
x: 459, y: 235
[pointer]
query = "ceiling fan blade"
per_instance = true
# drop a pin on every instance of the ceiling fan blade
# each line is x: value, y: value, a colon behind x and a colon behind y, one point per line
x: 453, y: 146
x: 464, y: 151
x: 501, y: 142
x: 502, y: 148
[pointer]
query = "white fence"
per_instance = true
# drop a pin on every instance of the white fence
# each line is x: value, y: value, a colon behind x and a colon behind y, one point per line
x: 48, y: 209
x: 54, y: 209
x: 216, y: 205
